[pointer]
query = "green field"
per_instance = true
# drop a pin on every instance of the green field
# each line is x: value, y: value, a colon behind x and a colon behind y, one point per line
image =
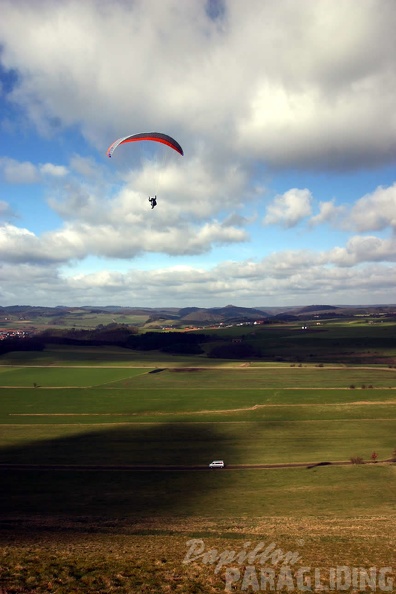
x: 82, y: 420
x: 102, y: 414
x: 76, y: 319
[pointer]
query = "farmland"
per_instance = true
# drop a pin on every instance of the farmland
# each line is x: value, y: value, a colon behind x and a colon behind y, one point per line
x: 78, y: 425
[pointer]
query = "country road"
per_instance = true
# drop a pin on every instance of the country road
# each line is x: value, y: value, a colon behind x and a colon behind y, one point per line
x: 173, y: 468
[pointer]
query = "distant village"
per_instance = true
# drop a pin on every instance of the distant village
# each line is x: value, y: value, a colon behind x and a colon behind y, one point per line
x: 5, y: 334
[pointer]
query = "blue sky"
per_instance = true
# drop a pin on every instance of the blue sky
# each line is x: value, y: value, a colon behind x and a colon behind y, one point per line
x: 285, y: 195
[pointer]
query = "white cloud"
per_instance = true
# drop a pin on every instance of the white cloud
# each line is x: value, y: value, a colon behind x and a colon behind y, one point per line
x: 328, y: 213
x: 20, y: 245
x: 301, y: 85
x: 364, y: 249
x: 267, y: 282
x: 15, y: 243
x: 117, y: 234
x: 84, y: 166
x: 289, y: 208
x: 15, y: 172
x: 53, y: 170
x: 117, y: 241
x: 375, y: 211
x: 296, y: 83
x: 188, y: 219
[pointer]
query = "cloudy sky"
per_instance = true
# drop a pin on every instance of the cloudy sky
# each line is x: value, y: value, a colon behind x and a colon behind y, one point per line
x: 285, y: 195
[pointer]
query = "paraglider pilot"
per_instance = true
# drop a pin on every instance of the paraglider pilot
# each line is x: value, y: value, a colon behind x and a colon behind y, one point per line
x: 153, y: 201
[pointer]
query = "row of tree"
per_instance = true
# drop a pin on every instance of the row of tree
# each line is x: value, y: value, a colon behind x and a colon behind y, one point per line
x: 122, y: 335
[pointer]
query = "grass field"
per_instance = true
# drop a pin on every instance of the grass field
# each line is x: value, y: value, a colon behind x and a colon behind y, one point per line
x: 76, y: 319
x: 346, y: 342
x: 109, y: 529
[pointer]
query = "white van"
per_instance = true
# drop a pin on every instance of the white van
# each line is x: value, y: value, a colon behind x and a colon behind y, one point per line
x: 217, y: 464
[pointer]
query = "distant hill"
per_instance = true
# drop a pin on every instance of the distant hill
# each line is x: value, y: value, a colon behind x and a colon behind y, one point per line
x: 184, y: 316
x: 315, y: 308
x: 229, y: 313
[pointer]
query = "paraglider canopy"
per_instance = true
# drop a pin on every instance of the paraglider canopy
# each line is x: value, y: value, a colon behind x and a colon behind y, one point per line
x: 151, y: 136
x: 154, y: 166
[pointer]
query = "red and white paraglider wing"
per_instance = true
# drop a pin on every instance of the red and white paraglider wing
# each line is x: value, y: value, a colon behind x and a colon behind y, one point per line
x: 148, y: 136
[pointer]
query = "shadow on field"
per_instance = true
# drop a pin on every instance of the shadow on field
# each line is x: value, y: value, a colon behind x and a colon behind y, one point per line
x: 116, y: 492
